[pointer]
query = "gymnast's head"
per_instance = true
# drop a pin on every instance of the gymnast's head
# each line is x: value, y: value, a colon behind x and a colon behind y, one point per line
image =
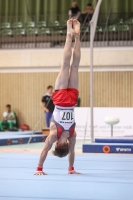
x: 61, y: 149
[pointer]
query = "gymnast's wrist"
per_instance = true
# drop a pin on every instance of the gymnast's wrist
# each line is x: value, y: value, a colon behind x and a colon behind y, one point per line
x: 39, y: 169
x: 70, y: 169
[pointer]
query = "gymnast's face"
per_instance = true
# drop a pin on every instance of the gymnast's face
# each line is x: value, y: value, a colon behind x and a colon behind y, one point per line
x: 61, y: 149
x: 61, y: 144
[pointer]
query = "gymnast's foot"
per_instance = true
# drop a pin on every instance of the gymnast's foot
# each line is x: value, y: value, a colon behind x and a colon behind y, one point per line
x: 76, y: 26
x: 70, y: 30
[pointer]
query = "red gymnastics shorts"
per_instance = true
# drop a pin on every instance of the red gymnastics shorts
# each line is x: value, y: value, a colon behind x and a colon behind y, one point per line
x: 65, y: 97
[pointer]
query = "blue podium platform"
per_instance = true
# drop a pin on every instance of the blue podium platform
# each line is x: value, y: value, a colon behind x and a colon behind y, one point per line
x: 14, y: 138
x: 115, y: 140
x: 108, y: 148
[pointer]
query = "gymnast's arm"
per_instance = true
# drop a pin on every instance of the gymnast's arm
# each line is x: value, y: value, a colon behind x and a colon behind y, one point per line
x: 71, y: 155
x: 48, y: 144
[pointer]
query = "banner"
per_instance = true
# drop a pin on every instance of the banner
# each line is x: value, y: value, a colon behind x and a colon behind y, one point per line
x: 101, y: 129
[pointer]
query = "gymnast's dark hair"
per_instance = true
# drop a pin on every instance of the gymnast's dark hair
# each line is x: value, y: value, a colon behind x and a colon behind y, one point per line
x: 61, y: 152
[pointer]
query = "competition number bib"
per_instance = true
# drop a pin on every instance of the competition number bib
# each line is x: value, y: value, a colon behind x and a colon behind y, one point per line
x: 67, y: 116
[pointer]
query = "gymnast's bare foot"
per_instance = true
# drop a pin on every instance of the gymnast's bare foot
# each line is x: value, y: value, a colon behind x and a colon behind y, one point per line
x: 76, y: 26
x: 70, y: 30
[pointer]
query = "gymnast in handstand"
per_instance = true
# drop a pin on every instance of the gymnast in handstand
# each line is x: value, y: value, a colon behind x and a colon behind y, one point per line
x: 62, y: 127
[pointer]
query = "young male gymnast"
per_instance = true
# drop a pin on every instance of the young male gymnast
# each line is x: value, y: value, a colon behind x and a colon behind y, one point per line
x: 62, y: 127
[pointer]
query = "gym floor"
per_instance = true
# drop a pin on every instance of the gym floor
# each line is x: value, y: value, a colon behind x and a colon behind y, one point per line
x: 104, y: 176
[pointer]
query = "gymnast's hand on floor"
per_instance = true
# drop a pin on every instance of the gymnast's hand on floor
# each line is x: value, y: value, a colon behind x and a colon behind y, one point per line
x: 73, y: 172
x: 40, y: 173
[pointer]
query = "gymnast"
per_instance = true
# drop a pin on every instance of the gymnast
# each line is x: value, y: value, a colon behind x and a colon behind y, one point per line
x: 62, y: 126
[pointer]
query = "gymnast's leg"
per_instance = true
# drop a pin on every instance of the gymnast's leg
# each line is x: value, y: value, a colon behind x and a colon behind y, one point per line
x: 63, y: 76
x: 73, y: 79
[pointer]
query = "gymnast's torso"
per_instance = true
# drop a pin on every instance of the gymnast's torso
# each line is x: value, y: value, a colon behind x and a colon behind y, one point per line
x: 64, y: 119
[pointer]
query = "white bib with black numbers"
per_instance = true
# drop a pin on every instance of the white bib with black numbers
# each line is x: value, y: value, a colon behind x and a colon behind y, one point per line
x: 67, y: 116
x: 64, y: 116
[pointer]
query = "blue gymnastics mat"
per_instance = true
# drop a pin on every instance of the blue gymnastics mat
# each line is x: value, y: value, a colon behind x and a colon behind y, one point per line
x: 14, y: 138
x: 114, y: 140
x: 104, y: 177
x: 108, y: 148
